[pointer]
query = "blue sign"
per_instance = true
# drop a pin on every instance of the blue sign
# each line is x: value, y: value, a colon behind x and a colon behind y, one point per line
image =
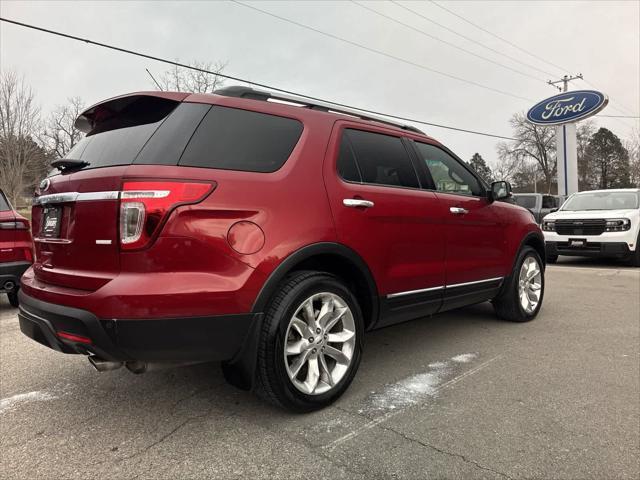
x: 567, y: 107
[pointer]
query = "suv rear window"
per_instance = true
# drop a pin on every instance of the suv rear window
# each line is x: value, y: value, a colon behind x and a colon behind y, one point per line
x: 122, y: 131
x: 4, y: 205
x: 375, y: 158
x: 233, y: 139
x: 526, y: 201
x: 154, y: 131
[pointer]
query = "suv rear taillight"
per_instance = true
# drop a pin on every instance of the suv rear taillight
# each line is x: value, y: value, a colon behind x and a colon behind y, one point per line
x: 144, y: 206
x: 14, y: 225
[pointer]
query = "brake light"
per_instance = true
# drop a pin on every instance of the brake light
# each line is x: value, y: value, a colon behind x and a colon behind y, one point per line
x: 144, y: 206
x: 14, y: 225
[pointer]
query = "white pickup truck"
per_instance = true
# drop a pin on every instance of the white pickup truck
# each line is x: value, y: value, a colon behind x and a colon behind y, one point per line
x: 598, y: 223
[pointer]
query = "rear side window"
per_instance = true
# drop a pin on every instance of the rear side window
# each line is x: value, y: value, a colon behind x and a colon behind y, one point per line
x: 380, y: 159
x: 548, y: 201
x: 233, y: 139
x: 526, y: 201
x: 347, y: 167
x: 4, y: 205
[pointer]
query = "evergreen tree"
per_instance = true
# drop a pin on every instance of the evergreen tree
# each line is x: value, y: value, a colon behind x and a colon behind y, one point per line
x: 481, y: 167
x: 608, y: 161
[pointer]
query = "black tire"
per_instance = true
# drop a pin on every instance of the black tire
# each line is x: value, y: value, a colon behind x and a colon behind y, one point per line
x: 552, y: 258
x: 507, y: 304
x: 272, y: 381
x: 13, y: 298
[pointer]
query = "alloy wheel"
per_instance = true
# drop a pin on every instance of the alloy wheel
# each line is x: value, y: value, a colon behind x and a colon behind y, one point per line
x: 530, y: 284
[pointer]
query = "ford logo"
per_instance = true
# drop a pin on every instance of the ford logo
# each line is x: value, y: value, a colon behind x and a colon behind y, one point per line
x: 44, y: 185
x: 567, y: 107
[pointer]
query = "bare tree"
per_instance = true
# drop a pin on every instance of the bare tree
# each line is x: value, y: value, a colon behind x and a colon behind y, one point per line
x: 60, y: 134
x: 633, y: 147
x: 533, y: 142
x: 22, y: 160
x: 182, y: 79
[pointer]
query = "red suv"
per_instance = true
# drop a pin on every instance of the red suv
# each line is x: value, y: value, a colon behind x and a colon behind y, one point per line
x: 266, y: 232
x: 15, y: 249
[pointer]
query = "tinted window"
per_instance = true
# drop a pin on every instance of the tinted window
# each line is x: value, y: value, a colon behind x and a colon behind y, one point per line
x: 448, y: 173
x: 548, y: 201
x: 526, y: 201
x: 234, y: 139
x: 382, y: 159
x: 168, y: 142
x: 4, y: 205
x: 347, y: 168
x: 117, y: 139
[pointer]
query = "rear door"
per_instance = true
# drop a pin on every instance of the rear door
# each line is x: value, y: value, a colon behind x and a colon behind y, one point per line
x: 475, y: 235
x: 7, y: 231
x: 381, y: 213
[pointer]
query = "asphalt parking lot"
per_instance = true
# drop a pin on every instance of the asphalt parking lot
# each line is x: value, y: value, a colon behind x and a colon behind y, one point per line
x: 460, y: 395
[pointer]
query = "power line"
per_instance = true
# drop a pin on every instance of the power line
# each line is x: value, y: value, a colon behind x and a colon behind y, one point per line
x: 619, y: 108
x: 422, y: 32
x: 498, y: 52
x: 242, y: 80
x: 379, y: 52
x: 496, y: 36
x: 619, y: 116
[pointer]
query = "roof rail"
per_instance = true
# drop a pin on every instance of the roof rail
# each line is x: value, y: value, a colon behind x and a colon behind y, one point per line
x: 253, y: 94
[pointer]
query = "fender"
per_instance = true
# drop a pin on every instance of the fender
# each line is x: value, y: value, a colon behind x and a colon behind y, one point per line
x: 240, y: 371
x: 304, y: 253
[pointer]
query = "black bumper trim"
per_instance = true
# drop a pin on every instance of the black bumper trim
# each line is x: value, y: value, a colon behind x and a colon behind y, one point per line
x: 12, y: 271
x: 592, y: 249
x: 150, y: 340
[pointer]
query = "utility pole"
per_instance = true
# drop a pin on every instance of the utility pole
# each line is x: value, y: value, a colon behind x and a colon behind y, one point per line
x: 566, y: 146
x: 564, y: 80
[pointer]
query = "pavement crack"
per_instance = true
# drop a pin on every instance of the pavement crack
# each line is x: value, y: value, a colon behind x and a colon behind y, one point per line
x: 462, y: 457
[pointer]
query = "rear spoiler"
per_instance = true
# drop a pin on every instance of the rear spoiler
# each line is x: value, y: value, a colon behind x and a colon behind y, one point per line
x: 111, y: 107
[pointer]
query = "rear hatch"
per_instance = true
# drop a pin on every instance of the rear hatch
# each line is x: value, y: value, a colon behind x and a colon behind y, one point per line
x: 76, y: 214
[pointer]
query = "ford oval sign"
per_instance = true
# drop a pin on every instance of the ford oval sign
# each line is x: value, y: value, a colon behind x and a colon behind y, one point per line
x: 567, y: 107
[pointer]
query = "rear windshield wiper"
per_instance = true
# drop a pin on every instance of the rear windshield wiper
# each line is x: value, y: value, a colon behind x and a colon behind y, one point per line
x: 64, y: 164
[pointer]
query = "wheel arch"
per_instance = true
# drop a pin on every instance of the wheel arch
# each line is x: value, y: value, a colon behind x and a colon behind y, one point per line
x: 330, y: 257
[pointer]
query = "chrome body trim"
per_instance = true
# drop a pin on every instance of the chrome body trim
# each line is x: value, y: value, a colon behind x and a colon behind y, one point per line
x: 442, y: 287
x: 67, y: 197
x: 411, y: 292
x: 356, y: 202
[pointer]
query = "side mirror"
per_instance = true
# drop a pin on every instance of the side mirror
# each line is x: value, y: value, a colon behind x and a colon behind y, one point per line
x: 500, y: 190
x: 553, y: 210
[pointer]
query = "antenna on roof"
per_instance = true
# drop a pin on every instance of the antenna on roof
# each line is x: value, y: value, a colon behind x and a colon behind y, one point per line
x: 154, y: 80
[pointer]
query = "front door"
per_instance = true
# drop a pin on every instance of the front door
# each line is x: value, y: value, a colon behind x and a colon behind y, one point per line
x: 475, y: 237
x: 382, y: 214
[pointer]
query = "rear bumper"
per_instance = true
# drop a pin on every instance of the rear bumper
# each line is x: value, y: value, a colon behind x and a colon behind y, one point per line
x: 11, y: 272
x: 592, y: 249
x: 150, y: 340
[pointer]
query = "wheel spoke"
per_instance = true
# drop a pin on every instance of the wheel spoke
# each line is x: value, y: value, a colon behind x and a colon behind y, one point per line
x: 326, y: 310
x: 325, y: 368
x: 301, y: 327
x: 313, y: 375
x: 298, y: 363
x: 337, y: 355
x: 310, y: 314
x: 296, y: 348
x: 340, y: 337
x: 334, y: 318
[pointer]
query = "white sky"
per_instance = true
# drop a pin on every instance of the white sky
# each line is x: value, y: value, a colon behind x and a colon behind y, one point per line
x: 599, y: 39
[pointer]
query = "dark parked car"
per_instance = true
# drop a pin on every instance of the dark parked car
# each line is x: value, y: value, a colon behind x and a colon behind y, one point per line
x: 16, y: 252
x: 538, y: 204
x: 269, y: 235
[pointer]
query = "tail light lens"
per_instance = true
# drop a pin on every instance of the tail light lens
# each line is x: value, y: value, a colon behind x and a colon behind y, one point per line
x: 14, y: 225
x: 144, y: 207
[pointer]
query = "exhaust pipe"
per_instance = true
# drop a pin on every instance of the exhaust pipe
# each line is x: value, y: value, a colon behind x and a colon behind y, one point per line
x: 9, y: 286
x: 102, y: 365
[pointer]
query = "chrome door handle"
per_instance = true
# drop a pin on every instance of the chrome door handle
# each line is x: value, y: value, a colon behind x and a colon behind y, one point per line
x: 355, y: 202
x: 458, y: 210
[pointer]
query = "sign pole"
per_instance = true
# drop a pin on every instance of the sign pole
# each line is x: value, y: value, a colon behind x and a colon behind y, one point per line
x: 567, y: 155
